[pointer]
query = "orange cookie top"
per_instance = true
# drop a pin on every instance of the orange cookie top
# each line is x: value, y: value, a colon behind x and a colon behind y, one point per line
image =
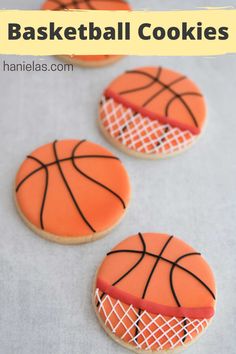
x: 72, y: 188
x: 160, y: 274
x: 86, y: 5
x: 161, y: 94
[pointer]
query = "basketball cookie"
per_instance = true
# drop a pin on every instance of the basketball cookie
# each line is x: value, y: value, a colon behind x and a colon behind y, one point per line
x: 154, y: 293
x: 88, y: 60
x: 152, y: 112
x: 72, y: 191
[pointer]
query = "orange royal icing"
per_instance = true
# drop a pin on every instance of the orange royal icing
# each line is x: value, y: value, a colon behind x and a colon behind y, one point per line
x: 153, y: 110
x: 72, y: 188
x: 161, y: 278
x: 87, y: 5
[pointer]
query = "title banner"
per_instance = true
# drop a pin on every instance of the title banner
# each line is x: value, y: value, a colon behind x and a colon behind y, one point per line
x: 81, y: 32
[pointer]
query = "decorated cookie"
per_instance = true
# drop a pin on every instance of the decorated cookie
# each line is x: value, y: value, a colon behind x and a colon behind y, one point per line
x: 152, y: 112
x: 153, y: 292
x: 88, y: 60
x: 72, y: 191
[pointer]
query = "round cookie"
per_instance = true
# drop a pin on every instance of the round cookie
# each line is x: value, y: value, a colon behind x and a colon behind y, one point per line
x: 72, y: 191
x: 88, y: 60
x: 154, y: 293
x: 152, y: 112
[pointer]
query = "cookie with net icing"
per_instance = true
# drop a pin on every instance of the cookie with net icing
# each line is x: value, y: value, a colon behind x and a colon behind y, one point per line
x: 111, y: 5
x: 153, y: 292
x: 152, y: 112
x: 72, y: 191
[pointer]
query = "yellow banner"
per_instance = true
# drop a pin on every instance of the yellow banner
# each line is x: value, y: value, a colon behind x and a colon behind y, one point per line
x: 204, y: 32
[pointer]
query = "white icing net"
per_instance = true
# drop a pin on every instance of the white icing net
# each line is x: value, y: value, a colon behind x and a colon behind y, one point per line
x: 140, y: 133
x: 144, y: 330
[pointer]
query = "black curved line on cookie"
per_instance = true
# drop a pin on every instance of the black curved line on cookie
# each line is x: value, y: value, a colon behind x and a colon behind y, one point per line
x: 155, y: 265
x: 137, y: 89
x: 144, y: 86
x: 162, y: 138
x: 45, y: 189
x: 90, y: 6
x: 93, y: 157
x: 172, y: 270
x: 69, y: 189
x: 137, y: 263
x: 183, y: 102
x: 94, y: 180
x: 76, y: 3
x: 77, y: 145
x: 63, y: 160
x: 159, y: 72
x: 173, y: 289
x: 149, y: 280
x: 154, y: 80
x: 67, y: 6
x: 132, y: 268
x: 170, y: 262
x: 177, y: 96
x: 61, y: 6
x: 166, y: 87
x: 141, y: 73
